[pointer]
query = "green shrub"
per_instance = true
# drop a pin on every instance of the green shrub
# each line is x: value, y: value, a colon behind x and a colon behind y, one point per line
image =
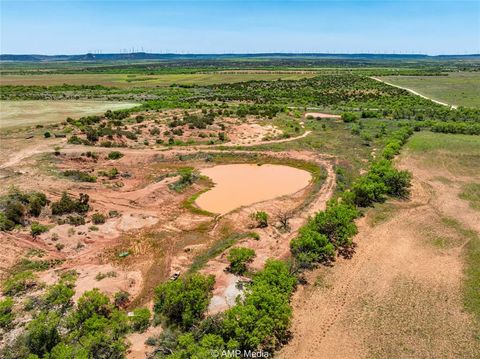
x: 140, y: 320
x: 349, y: 117
x: 79, y: 176
x: 75, y: 140
x: 59, y: 296
x: 115, y: 155
x: 261, y: 218
x: 18, y: 283
x: 47, y: 134
x: 262, y: 319
x: 111, y: 173
x: 76, y: 220
x: 381, y: 180
x: 68, y: 205
x: 121, y: 299
x: 37, y: 229
x: 187, y: 177
x: 5, y: 223
x: 14, y: 211
x: 36, y: 201
x: 6, y: 312
x: 397, y: 182
x: 42, y: 333
x: 101, y: 275
x: 98, y: 218
x: 239, y: 257
x: 183, y: 301
x: 311, y: 247
x: 367, y: 190
x: 336, y: 223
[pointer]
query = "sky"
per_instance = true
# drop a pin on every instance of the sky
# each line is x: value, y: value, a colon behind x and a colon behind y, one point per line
x: 388, y: 26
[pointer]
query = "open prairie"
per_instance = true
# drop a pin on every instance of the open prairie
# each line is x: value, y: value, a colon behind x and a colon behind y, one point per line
x: 306, y: 215
x: 455, y: 88
x: 14, y: 114
x: 145, y: 80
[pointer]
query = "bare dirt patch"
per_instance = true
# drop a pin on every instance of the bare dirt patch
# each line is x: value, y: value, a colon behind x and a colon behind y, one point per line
x: 401, y: 293
x: 321, y: 115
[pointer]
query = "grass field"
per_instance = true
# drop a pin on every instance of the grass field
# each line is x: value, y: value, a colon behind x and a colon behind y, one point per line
x: 26, y: 113
x: 458, y: 88
x: 459, y: 155
x: 140, y: 80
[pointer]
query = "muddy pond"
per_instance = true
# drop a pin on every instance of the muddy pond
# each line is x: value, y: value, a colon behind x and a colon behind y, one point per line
x: 240, y: 185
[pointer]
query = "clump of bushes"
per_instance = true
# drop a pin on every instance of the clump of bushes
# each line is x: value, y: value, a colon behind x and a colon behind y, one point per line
x: 111, y: 173
x: 37, y: 229
x: 98, y: 218
x: 395, y: 142
x: 466, y: 128
x: 183, y: 302
x: 75, y: 220
x: 67, y: 205
x: 121, y: 299
x: 18, y: 283
x: 187, y: 177
x: 259, y: 321
x: 349, y: 117
x: 115, y: 155
x: 17, y: 205
x: 381, y: 180
x: 110, y: 274
x: 94, y: 328
x: 140, y: 320
x: 79, y: 176
x: 261, y: 218
x: 6, y: 312
x: 323, y: 234
x: 239, y: 257
x: 311, y: 247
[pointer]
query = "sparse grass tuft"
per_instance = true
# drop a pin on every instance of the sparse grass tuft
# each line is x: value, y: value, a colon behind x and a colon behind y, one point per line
x: 471, y: 192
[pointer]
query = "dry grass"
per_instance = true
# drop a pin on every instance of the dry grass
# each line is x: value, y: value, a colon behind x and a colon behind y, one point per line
x: 141, y: 80
x: 26, y: 113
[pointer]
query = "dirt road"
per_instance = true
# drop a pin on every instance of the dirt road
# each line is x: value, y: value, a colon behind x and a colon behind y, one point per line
x: 414, y: 92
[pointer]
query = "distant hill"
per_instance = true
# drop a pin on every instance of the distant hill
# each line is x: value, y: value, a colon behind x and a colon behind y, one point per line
x: 151, y: 56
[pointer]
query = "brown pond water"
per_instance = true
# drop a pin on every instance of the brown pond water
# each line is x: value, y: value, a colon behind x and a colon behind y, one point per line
x: 244, y: 184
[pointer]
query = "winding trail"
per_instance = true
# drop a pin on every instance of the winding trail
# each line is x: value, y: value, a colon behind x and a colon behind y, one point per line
x: 414, y: 92
x: 30, y: 151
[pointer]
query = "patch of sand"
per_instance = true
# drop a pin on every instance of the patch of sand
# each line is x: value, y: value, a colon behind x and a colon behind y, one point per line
x: 321, y: 115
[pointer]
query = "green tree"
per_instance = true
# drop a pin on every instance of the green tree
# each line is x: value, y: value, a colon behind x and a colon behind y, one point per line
x: 336, y: 223
x: 184, y: 301
x: 261, y: 218
x: 239, y: 257
x: 311, y: 247
x: 140, y: 319
x: 42, y: 333
x: 368, y: 190
x: 261, y: 320
x: 349, y: 117
x: 59, y: 296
